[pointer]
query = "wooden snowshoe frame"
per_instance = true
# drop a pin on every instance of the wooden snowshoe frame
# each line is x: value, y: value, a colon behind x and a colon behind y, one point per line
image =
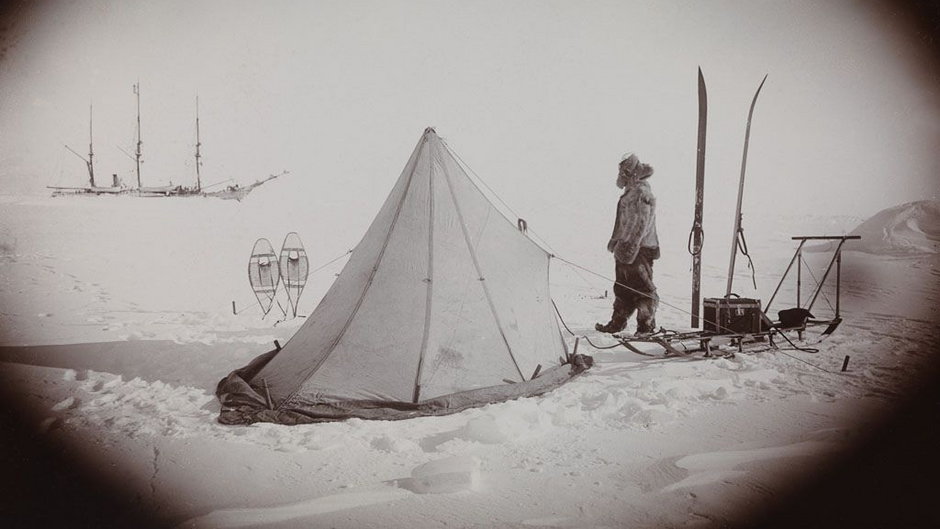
x: 685, y: 343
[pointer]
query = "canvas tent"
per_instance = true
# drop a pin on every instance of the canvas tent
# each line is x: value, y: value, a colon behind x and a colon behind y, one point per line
x: 443, y: 305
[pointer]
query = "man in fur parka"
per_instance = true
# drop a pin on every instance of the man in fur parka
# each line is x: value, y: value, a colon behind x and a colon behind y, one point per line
x: 635, y: 245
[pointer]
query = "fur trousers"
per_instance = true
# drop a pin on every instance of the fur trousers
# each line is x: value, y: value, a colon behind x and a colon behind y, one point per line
x: 634, y: 291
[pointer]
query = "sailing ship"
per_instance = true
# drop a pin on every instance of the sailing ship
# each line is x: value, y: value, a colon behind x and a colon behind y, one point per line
x: 232, y: 191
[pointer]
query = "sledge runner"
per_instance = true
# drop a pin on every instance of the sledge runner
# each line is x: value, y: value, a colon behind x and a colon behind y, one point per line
x: 635, y: 246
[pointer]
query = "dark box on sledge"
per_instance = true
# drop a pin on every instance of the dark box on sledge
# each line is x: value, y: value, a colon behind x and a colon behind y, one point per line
x: 731, y: 315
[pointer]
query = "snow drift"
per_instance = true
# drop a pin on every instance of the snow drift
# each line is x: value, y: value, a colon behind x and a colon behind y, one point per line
x: 904, y: 230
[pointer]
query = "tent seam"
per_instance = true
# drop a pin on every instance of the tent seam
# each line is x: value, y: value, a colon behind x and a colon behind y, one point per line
x: 430, y: 281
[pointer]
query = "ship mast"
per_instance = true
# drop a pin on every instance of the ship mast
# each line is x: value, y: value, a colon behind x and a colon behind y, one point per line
x: 198, y: 155
x: 89, y: 162
x: 139, y: 142
x: 91, y: 152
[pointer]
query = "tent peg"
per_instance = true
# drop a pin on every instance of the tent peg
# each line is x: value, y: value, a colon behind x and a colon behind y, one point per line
x: 538, y: 369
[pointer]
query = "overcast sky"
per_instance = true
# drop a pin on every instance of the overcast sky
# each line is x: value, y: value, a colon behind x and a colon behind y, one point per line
x: 540, y: 98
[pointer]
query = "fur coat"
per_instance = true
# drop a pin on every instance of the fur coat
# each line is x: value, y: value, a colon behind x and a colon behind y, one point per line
x: 635, y: 224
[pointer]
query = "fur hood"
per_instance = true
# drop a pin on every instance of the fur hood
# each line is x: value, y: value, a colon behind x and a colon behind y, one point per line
x: 631, y: 168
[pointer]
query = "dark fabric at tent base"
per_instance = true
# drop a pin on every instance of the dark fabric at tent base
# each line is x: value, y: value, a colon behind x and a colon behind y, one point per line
x: 244, y: 404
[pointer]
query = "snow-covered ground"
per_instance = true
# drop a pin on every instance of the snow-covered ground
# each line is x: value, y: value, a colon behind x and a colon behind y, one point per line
x: 116, y: 323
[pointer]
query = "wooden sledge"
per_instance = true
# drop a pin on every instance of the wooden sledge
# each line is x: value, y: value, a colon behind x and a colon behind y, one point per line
x: 686, y: 343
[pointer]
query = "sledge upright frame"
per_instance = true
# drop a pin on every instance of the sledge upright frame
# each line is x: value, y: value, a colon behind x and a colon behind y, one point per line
x: 836, y: 260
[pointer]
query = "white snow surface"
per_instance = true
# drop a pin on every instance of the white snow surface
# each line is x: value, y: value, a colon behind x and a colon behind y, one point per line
x: 117, y: 323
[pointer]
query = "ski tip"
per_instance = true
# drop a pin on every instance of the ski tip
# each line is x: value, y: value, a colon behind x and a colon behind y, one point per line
x: 757, y: 93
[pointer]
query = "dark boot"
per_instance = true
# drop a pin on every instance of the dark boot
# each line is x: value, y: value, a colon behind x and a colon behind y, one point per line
x: 624, y: 305
x: 610, y: 327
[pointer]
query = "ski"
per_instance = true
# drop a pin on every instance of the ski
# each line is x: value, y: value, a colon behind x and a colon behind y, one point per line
x: 736, y: 236
x: 696, y: 235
